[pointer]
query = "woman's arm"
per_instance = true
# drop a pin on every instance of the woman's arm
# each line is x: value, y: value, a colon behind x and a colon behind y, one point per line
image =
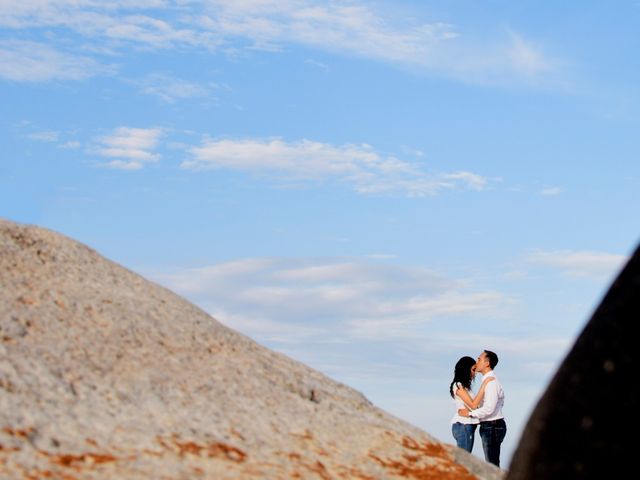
x: 472, y: 403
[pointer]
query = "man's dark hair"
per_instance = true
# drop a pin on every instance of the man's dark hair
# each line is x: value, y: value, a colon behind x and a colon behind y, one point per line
x: 492, y: 357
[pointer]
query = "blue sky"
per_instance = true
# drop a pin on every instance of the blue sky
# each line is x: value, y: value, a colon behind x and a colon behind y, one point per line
x: 373, y: 188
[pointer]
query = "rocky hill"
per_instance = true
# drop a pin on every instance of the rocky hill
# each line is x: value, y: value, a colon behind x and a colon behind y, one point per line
x: 104, y: 374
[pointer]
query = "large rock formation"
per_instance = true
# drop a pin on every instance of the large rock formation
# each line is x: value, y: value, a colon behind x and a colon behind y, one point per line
x: 584, y: 424
x: 106, y: 375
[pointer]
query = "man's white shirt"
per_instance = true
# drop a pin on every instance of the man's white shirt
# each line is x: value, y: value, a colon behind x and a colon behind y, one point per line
x: 491, y: 408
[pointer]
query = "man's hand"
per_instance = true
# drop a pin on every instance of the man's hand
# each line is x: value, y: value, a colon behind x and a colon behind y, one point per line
x: 463, y: 412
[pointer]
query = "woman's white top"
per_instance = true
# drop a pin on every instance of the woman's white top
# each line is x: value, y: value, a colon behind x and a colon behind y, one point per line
x: 460, y: 404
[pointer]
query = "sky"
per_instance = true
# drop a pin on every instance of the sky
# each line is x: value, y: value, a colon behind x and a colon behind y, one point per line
x: 374, y: 188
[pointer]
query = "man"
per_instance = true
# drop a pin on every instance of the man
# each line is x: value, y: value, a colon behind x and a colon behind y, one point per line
x: 492, y: 425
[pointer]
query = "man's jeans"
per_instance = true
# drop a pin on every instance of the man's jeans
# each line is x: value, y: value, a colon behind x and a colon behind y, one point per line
x: 464, y: 434
x: 492, y: 434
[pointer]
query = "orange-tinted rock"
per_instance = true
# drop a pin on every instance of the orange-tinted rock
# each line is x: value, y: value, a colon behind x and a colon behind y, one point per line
x: 104, y: 374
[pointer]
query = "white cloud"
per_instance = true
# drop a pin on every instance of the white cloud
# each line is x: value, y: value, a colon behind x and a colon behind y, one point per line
x: 514, y: 275
x: 472, y: 180
x: 551, y: 191
x: 171, y: 89
x: 119, y: 22
x: 344, y: 27
x: 24, y: 61
x: 315, y: 63
x: 304, y: 159
x: 358, y: 165
x: 356, y: 28
x: 71, y: 145
x: 130, y: 148
x: 123, y: 165
x: 400, y: 319
x: 45, y: 136
x: 411, y: 151
x: 349, y: 27
x: 152, y: 32
x: 382, y: 256
x: 116, y: 25
x: 334, y: 298
x: 266, y: 328
x: 580, y: 263
x: 82, y: 15
x: 545, y: 346
x: 526, y: 58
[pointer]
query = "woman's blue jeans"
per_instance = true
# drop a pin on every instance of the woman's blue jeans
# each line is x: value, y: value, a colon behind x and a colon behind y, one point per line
x: 464, y: 434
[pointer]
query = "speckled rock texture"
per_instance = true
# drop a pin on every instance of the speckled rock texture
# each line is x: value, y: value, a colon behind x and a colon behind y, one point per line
x: 104, y: 374
x: 584, y: 424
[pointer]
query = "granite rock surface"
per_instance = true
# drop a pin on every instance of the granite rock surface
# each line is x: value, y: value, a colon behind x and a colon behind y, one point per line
x: 104, y: 374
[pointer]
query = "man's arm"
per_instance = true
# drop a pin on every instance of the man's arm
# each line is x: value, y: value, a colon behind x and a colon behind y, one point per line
x: 489, y: 404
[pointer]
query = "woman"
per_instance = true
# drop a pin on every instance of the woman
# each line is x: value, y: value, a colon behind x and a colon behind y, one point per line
x: 464, y: 428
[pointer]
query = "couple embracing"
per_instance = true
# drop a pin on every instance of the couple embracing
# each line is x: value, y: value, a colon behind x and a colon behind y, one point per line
x: 484, y: 409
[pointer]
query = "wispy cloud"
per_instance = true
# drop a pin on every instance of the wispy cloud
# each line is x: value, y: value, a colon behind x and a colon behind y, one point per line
x: 130, y: 148
x: 352, y: 28
x: 45, y: 136
x: 316, y: 64
x: 472, y: 180
x: 26, y: 61
x: 551, y: 191
x: 402, y: 319
x: 144, y: 23
x: 70, y: 145
x: 153, y: 32
x: 526, y: 58
x: 507, y: 343
x: 579, y: 263
x: 171, y: 89
x: 356, y: 28
x: 305, y: 162
x: 333, y: 297
x: 356, y: 164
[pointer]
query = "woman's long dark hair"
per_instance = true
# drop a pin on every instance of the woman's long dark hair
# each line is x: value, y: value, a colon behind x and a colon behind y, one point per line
x: 462, y: 373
